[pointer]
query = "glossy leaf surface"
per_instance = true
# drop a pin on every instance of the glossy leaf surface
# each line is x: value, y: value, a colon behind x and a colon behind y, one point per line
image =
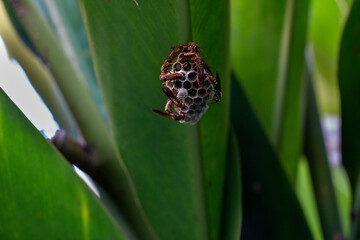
x: 41, y: 195
x: 163, y: 156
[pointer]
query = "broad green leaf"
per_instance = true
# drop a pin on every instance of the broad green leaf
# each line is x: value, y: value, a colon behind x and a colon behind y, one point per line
x: 110, y: 171
x: 289, y: 102
x: 256, y: 38
x: 129, y: 41
x: 268, y: 42
x: 41, y: 196
x: 349, y: 85
x: 232, y: 212
x: 269, y: 201
x: 315, y: 151
x: 210, y: 30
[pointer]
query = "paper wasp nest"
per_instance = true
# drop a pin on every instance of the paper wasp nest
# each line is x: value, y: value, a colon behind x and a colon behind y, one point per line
x: 194, y: 97
x: 188, y: 84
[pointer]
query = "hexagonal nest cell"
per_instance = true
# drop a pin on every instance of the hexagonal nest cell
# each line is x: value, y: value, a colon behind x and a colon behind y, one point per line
x: 189, y: 91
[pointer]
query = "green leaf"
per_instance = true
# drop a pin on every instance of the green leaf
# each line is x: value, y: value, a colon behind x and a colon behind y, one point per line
x: 343, y: 195
x: 129, y: 42
x: 269, y: 200
x: 305, y: 193
x: 325, y: 27
x: 349, y: 85
x: 315, y: 151
x: 289, y: 102
x: 41, y: 195
x: 256, y: 38
x: 210, y: 29
x: 268, y: 42
x: 231, y: 224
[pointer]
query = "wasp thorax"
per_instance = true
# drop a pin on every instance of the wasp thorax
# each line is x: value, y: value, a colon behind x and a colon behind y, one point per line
x: 189, y: 84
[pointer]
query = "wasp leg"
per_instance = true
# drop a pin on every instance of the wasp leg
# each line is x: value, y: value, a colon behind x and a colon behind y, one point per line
x: 172, y: 96
x: 169, y: 115
x: 215, y: 81
x: 172, y: 76
x: 168, y: 106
